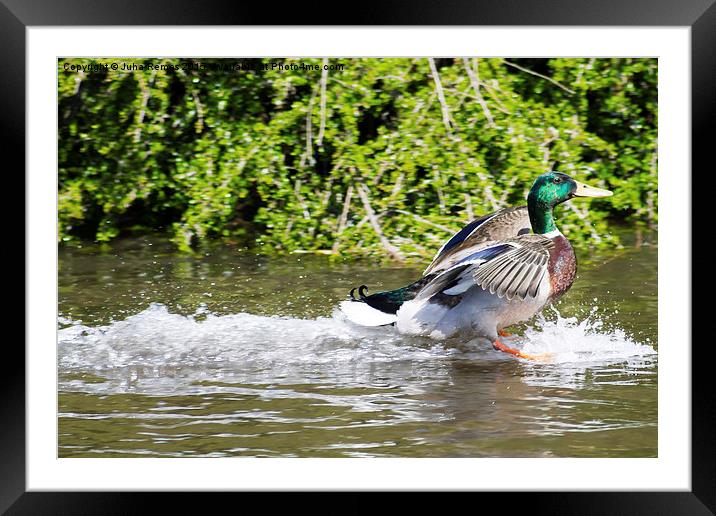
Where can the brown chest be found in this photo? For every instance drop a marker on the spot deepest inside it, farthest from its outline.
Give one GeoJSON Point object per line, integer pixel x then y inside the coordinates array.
{"type": "Point", "coordinates": [562, 266]}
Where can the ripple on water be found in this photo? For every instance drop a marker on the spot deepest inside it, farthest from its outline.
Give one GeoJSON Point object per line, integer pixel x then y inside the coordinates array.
{"type": "Point", "coordinates": [210, 385]}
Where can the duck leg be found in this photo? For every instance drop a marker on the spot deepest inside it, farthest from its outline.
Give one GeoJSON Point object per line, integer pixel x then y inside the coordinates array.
{"type": "Point", "coordinates": [503, 333]}
{"type": "Point", "coordinates": [499, 346]}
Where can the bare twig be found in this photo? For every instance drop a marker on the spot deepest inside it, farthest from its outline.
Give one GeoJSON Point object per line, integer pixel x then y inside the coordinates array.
{"type": "Point", "coordinates": [362, 221]}
{"type": "Point", "coordinates": [472, 75]}
{"type": "Point", "coordinates": [309, 133]}
{"type": "Point", "coordinates": [506, 191]}
{"type": "Point", "coordinates": [553, 134]}
{"type": "Point", "coordinates": [438, 188]}
{"type": "Point", "coordinates": [470, 96]}
{"type": "Point", "coordinates": [390, 248]}
{"type": "Point", "coordinates": [379, 175]}
{"type": "Point", "coordinates": [324, 80]}
{"type": "Point", "coordinates": [487, 192]}
{"type": "Point", "coordinates": [327, 198]}
{"type": "Point", "coordinates": [418, 106]}
{"type": "Point", "coordinates": [301, 201]}
{"type": "Point", "coordinates": [312, 251]}
{"type": "Point", "coordinates": [199, 111]}
{"type": "Point", "coordinates": [232, 173]}
{"type": "Point", "coordinates": [78, 81]}
{"type": "Point", "coordinates": [499, 105]}
{"type": "Point", "coordinates": [468, 204]}
{"type": "Point", "coordinates": [143, 106]}
{"type": "Point", "coordinates": [289, 226]}
{"type": "Point", "coordinates": [197, 102]}
{"type": "Point", "coordinates": [398, 185]}
{"type": "Point", "coordinates": [426, 221]}
{"type": "Point", "coordinates": [365, 219]}
{"type": "Point", "coordinates": [650, 210]}
{"type": "Point", "coordinates": [343, 219]}
{"type": "Point", "coordinates": [327, 193]}
{"type": "Point", "coordinates": [582, 68]}
{"type": "Point", "coordinates": [351, 86]}
{"type": "Point", "coordinates": [426, 107]}
{"type": "Point", "coordinates": [441, 96]}
{"type": "Point", "coordinates": [419, 249]}
{"type": "Point", "coordinates": [508, 63]}
{"type": "Point", "coordinates": [463, 181]}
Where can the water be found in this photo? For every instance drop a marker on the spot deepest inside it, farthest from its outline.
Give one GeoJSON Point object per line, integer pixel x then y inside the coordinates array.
{"type": "Point", "coordinates": [232, 354]}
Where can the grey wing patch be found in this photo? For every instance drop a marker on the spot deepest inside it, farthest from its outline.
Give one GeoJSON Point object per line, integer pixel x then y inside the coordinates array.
{"type": "Point", "coordinates": [507, 223]}
{"type": "Point", "coordinates": [502, 225]}
{"type": "Point", "coordinates": [519, 272]}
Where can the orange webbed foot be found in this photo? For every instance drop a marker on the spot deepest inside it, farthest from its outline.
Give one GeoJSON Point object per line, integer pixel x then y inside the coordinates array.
{"type": "Point", "coordinates": [543, 357]}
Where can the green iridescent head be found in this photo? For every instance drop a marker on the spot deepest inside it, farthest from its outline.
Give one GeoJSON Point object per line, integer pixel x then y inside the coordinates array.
{"type": "Point", "coordinates": [551, 189]}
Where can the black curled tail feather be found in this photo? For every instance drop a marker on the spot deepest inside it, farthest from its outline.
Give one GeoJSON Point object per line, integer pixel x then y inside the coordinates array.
{"type": "Point", "coordinates": [361, 293]}
{"type": "Point", "coordinates": [390, 301]}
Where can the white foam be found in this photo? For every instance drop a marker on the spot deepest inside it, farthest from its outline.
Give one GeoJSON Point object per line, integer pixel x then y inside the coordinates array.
{"type": "Point", "coordinates": [244, 347]}
{"type": "Point", "coordinates": [158, 350]}
{"type": "Point", "coordinates": [578, 353]}
{"type": "Point", "coordinates": [569, 340]}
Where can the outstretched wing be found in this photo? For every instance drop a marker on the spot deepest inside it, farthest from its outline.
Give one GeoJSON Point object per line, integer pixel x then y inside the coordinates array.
{"type": "Point", "coordinates": [518, 272]}
{"type": "Point", "coordinates": [515, 267]}
{"type": "Point", "coordinates": [458, 278]}
{"type": "Point", "coordinates": [501, 225]}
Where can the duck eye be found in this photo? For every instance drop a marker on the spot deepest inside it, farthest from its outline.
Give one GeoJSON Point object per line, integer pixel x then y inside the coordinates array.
{"type": "Point", "coordinates": [557, 180]}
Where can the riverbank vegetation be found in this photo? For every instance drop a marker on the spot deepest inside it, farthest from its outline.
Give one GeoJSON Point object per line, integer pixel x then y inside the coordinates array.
{"type": "Point", "coordinates": [350, 157]}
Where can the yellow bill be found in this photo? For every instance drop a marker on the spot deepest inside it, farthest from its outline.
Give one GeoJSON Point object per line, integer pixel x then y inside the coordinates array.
{"type": "Point", "coordinates": [590, 191]}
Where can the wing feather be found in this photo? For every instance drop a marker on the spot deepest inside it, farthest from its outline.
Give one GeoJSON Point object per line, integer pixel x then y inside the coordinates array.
{"type": "Point", "coordinates": [456, 274]}
{"type": "Point", "coordinates": [493, 228]}
{"type": "Point", "coordinates": [502, 280]}
{"type": "Point", "coordinates": [525, 281]}
{"type": "Point", "coordinates": [518, 272]}
{"type": "Point", "coordinates": [536, 281]}
{"type": "Point", "coordinates": [519, 276]}
{"type": "Point", "coordinates": [511, 268]}
{"type": "Point", "coordinates": [487, 275]}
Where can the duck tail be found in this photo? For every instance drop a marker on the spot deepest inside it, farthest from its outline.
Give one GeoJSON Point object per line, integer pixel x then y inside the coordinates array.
{"type": "Point", "coordinates": [379, 309]}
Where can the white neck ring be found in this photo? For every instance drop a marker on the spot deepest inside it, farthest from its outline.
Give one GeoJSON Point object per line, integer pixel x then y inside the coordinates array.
{"type": "Point", "coordinates": [553, 234]}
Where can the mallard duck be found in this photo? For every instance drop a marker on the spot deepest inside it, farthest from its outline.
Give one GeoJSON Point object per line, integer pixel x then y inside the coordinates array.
{"type": "Point", "coordinates": [499, 270]}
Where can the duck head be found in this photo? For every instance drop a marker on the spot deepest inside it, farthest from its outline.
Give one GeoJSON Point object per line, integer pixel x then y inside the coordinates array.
{"type": "Point", "coordinates": [551, 189]}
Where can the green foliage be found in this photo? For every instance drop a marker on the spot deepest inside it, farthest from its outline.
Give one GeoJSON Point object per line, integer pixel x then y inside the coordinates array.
{"type": "Point", "coordinates": [371, 157]}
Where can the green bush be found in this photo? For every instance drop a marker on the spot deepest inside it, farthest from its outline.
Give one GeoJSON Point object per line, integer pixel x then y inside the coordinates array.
{"type": "Point", "coordinates": [370, 157]}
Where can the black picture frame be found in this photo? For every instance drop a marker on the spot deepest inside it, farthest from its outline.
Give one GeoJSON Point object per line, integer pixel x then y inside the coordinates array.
{"type": "Point", "coordinates": [700, 15]}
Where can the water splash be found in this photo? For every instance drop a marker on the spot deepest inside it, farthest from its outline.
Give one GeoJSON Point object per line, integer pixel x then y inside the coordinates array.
{"type": "Point", "coordinates": [156, 349]}
{"type": "Point", "coordinates": [577, 352]}
{"type": "Point", "coordinates": [569, 340]}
